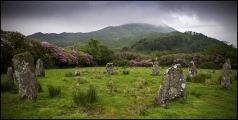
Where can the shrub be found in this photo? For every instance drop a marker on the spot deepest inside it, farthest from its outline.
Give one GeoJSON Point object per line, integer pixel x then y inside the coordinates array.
{"type": "Point", "coordinates": [121, 63]}
{"type": "Point", "coordinates": [14, 90]}
{"type": "Point", "coordinates": [127, 90]}
{"type": "Point", "coordinates": [110, 83]}
{"type": "Point", "coordinates": [149, 89]}
{"type": "Point", "coordinates": [207, 82]}
{"type": "Point", "coordinates": [79, 98]}
{"type": "Point", "coordinates": [98, 76]}
{"type": "Point", "coordinates": [81, 80]}
{"type": "Point", "coordinates": [200, 78]}
{"type": "Point", "coordinates": [188, 79]}
{"type": "Point", "coordinates": [91, 94]}
{"type": "Point", "coordinates": [183, 62]}
{"type": "Point", "coordinates": [54, 91]}
{"type": "Point", "coordinates": [141, 82]}
{"type": "Point", "coordinates": [208, 65]}
{"type": "Point", "coordinates": [145, 63]}
{"type": "Point", "coordinates": [40, 87]}
{"type": "Point", "coordinates": [69, 74]}
{"type": "Point", "coordinates": [143, 111]}
{"type": "Point", "coordinates": [112, 87]}
{"type": "Point", "coordinates": [83, 99]}
{"type": "Point", "coordinates": [196, 93]}
{"type": "Point", "coordinates": [125, 72]}
{"type": "Point", "coordinates": [4, 86]}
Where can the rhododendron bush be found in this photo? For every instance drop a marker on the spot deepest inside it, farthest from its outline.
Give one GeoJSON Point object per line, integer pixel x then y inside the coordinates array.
{"type": "Point", "coordinates": [66, 57]}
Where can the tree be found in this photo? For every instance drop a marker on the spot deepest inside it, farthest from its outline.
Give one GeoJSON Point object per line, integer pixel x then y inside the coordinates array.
{"type": "Point", "coordinates": [101, 54]}
{"type": "Point", "coordinates": [92, 47]}
{"type": "Point", "coordinates": [224, 50]}
{"type": "Point", "coordinates": [106, 55]}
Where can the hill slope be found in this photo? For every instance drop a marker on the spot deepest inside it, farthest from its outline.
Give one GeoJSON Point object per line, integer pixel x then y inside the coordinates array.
{"type": "Point", "coordinates": [112, 36]}
{"type": "Point", "coordinates": [187, 42]}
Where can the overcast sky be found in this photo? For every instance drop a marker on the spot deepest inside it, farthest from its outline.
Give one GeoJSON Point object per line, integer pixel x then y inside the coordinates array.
{"type": "Point", "coordinates": [216, 19]}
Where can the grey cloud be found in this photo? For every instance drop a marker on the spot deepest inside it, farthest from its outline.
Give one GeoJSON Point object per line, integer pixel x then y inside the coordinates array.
{"type": "Point", "coordinates": [85, 16]}
{"type": "Point", "coordinates": [16, 9]}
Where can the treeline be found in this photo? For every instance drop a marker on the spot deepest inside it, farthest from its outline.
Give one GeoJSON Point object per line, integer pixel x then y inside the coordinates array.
{"type": "Point", "coordinates": [92, 53]}
{"type": "Point", "coordinates": [187, 42]}
{"type": "Point", "coordinates": [89, 54]}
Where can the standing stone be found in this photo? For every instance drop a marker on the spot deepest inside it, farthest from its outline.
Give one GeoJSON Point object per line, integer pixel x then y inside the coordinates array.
{"type": "Point", "coordinates": [192, 70]}
{"type": "Point", "coordinates": [40, 68]}
{"type": "Point", "coordinates": [109, 68]}
{"type": "Point", "coordinates": [225, 80]}
{"type": "Point", "coordinates": [155, 68]}
{"type": "Point", "coordinates": [173, 85]}
{"type": "Point", "coordinates": [24, 67]}
{"type": "Point", "coordinates": [10, 79]}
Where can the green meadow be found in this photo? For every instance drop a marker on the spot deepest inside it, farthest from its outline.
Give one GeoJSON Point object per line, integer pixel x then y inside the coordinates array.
{"type": "Point", "coordinates": [128, 93]}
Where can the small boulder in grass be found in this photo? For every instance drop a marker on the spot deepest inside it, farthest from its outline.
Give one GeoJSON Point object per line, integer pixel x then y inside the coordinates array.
{"type": "Point", "coordinates": [77, 73]}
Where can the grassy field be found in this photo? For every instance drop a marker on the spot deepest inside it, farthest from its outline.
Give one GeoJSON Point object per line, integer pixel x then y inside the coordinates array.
{"type": "Point", "coordinates": [122, 96]}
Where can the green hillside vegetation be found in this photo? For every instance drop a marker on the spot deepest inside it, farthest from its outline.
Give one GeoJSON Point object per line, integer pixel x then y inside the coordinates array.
{"type": "Point", "coordinates": [112, 36]}
{"type": "Point", "coordinates": [176, 42]}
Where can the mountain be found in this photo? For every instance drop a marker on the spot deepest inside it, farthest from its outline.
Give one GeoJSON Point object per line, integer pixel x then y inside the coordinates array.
{"type": "Point", "coordinates": [111, 36]}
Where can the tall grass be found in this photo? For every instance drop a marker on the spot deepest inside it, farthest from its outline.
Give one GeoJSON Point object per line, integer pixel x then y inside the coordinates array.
{"type": "Point", "coordinates": [200, 78]}
{"type": "Point", "coordinates": [69, 74]}
{"type": "Point", "coordinates": [125, 72]}
{"type": "Point", "coordinates": [83, 99]}
{"type": "Point", "coordinates": [5, 86]}
{"type": "Point", "coordinates": [92, 94]}
{"type": "Point", "coordinates": [40, 87]}
{"type": "Point", "coordinates": [54, 91]}
{"type": "Point", "coordinates": [79, 98]}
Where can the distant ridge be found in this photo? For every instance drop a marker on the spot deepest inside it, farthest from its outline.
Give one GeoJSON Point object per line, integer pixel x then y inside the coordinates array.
{"type": "Point", "coordinates": [111, 36]}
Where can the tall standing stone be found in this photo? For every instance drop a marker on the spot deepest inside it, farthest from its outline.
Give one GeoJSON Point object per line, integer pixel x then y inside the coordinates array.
{"type": "Point", "coordinates": [192, 70]}
{"type": "Point", "coordinates": [10, 79]}
{"type": "Point", "coordinates": [173, 85]}
{"type": "Point", "coordinates": [225, 80]}
{"type": "Point", "coordinates": [40, 68]}
{"type": "Point", "coordinates": [24, 67]}
{"type": "Point", "coordinates": [155, 68]}
{"type": "Point", "coordinates": [109, 68]}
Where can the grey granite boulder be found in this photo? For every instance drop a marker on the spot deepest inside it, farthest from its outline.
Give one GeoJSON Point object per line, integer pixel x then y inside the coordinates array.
{"type": "Point", "coordinates": [173, 85]}
{"type": "Point", "coordinates": [24, 67]}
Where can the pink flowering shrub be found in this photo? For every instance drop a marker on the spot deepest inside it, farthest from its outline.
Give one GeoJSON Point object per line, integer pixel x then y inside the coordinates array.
{"type": "Point", "coordinates": [6, 43]}
{"type": "Point", "coordinates": [85, 58]}
{"type": "Point", "coordinates": [141, 63]}
{"type": "Point", "coordinates": [195, 58]}
{"type": "Point", "coordinates": [133, 59]}
{"type": "Point", "coordinates": [66, 57]}
{"type": "Point", "coordinates": [217, 59]}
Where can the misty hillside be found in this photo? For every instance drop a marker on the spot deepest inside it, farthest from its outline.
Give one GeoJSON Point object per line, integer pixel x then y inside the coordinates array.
{"type": "Point", "coordinates": [112, 36]}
